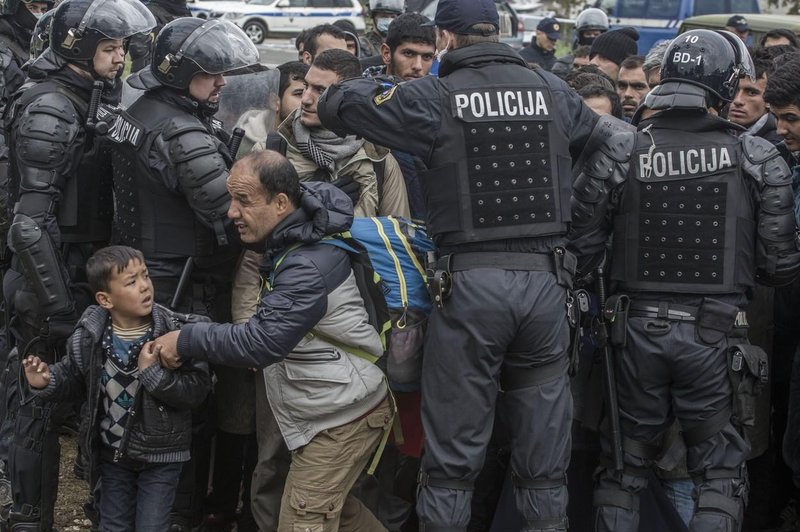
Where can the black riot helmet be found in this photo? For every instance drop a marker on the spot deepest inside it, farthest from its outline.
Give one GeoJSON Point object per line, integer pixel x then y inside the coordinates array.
{"type": "Point", "coordinates": [713, 60]}
{"type": "Point", "coordinates": [187, 46]}
{"type": "Point", "coordinates": [40, 40]}
{"type": "Point", "coordinates": [11, 7]}
{"type": "Point", "coordinates": [79, 25]}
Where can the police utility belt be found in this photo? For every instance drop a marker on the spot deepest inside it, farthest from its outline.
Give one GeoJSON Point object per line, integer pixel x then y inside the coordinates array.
{"type": "Point", "coordinates": [439, 270]}
{"type": "Point", "coordinates": [674, 312]}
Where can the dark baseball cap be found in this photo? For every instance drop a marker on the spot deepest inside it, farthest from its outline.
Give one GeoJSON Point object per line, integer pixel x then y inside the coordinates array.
{"type": "Point", "coordinates": [458, 16]}
{"type": "Point", "coordinates": [738, 22]}
{"type": "Point", "coordinates": [551, 27]}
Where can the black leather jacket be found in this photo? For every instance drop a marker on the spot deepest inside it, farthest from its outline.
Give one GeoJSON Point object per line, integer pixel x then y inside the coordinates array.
{"type": "Point", "coordinates": [161, 419]}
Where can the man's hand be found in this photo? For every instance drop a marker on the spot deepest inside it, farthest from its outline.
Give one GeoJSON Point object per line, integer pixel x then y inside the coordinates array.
{"type": "Point", "coordinates": [37, 372]}
{"type": "Point", "coordinates": [148, 356]}
{"type": "Point", "coordinates": [167, 348]}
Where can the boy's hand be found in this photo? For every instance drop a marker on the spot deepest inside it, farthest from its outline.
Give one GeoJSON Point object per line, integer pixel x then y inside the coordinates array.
{"type": "Point", "coordinates": [147, 356]}
{"type": "Point", "coordinates": [37, 372]}
{"type": "Point", "coordinates": [166, 347]}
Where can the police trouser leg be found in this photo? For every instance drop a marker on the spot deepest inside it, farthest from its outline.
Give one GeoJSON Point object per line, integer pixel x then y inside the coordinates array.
{"type": "Point", "coordinates": [473, 335]}
{"type": "Point", "coordinates": [643, 371]}
{"type": "Point", "coordinates": [34, 463]}
{"type": "Point", "coordinates": [542, 416]}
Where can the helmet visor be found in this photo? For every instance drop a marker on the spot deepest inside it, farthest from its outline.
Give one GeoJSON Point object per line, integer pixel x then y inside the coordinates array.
{"type": "Point", "coordinates": [744, 63]}
{"type": "Point", "coordinates": [117, 19]}
{"type": "Point", "coordinates": [219, 47]}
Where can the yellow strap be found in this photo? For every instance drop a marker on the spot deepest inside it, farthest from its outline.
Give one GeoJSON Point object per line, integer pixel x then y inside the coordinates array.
{"type": "Point", "coordinates": [386, 430]}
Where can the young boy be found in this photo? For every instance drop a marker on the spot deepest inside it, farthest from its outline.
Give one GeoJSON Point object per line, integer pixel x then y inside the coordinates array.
{"type": "Point", "coordinates": [138, 430]}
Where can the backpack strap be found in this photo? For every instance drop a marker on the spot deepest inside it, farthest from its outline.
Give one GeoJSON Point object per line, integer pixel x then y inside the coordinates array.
{"type": "Point", "coordinates": [380, 177]}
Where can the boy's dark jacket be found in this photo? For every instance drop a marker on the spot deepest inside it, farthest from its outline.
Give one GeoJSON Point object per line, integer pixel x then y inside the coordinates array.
{"type": "Point", "coordinates": [161, 421]}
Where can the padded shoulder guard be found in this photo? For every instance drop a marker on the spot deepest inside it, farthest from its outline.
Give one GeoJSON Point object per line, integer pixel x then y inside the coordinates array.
{"type": "Point", "coordinates": [606, 168]}
{"type": "Point", "coordinates": [181, 124]}
{"type": "Point", "coordinates": [46, 130]}
{"type": "Point", "coordinates": [763, 162]}
{"type": "Point", "coordinates": [201, 168]}
{"type": "Point", "coordinates": [604, 171]}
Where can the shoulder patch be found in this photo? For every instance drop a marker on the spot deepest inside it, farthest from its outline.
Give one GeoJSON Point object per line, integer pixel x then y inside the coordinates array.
{"type": "Point", "coordinates": [385, 96]}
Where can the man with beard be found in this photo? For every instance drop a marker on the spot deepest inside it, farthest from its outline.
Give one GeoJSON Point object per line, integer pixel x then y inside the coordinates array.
{"type": "Point", "coordinates": [632, 84]}
{"type": "Point", "coordinates": [60, 183]}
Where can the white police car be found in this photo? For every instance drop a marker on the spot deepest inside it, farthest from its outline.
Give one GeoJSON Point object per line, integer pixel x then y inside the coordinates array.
{"type": "Point", "coordinates": [258, 18]}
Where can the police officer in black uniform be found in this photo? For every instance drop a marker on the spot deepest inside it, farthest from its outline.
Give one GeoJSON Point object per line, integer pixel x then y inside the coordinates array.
{"type": "Point", "coordinates": [171, 162]}
{"type": "Point", "coordinates": [17, 20]}
{"type": "Point", "coordinates": [165, 11]}
{"type": "Point", "coordinates": [60, 185]}
{"type": "Point", "coordinates": [697, 216]}
{"type": "Point", "coordinates": [499, 140]}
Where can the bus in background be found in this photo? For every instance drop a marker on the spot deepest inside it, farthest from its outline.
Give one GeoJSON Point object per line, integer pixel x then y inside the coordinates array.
{"type": "Point", "coordinates": [660, 19]}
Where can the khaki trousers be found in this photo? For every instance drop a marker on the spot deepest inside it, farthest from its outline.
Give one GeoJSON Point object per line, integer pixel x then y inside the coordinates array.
{"type": "Point", "coordinates": [317, 493]}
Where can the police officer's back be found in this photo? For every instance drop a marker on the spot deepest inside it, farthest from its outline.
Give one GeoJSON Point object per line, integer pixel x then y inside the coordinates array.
{"type": "Point", "coordinates": [697, 215]}
{"type": "Point", "coordinates": [498, 140]}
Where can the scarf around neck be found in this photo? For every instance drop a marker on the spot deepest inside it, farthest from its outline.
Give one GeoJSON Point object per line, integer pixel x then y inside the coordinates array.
{"type": "Point", "coordinates": [323, 146]}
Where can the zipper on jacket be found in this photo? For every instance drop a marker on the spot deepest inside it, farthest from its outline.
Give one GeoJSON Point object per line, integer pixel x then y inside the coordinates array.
{"type": "Point", "coordinates": [333, 356]}
{"type": "Point", "coordinates": [123, 444]}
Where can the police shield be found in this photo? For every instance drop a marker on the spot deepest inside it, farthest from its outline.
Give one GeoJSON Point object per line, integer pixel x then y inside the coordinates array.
{"type": "Point", "coordinates": [250, 101]}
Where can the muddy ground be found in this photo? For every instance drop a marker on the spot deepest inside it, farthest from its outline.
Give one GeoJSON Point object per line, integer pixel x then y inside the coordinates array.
{"type": "Point", "coordinates": [72, 492]}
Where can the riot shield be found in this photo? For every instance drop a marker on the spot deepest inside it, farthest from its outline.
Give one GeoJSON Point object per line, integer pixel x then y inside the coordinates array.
{"type": "Point", "coordinates": [250, 102]}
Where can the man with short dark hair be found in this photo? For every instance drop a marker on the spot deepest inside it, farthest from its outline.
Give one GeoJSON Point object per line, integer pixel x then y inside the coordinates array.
{"type": "Point", "coordinates": [320, 155]}
{"type": "Point", "coordinates": [632, 84]}
{"type": "Point", "coordinates": [779, 37]}
{"type": "Point", "coordinates": [407, 54]}
{"type": "Point", "coordinates": [543, 44]}
{"type": "Point", "coordinates": [601, 100]}
{"type": "Point", "coordinates": [321, 38]}
{"type": "Point", "coordinates": [748, 108]}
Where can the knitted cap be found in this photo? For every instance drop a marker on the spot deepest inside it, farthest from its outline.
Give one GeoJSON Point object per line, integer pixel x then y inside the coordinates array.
{"type": "Point", "coordinates": [616, 45]}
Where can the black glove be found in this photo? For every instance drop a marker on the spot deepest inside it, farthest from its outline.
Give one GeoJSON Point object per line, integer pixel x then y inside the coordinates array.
{"type": "Point", "coordinates": [348, 185]}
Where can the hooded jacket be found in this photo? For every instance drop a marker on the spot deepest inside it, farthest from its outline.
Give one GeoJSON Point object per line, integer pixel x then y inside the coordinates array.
{"type": "Point", "coordinates": [393, 198]}
{"type": "Point", "coordinates": [310, 295]}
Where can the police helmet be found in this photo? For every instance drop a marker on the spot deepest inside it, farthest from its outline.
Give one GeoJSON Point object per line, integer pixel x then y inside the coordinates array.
{"type": "Point", "coordinates": [79, 25]}
{"type": "Point", "coordinates": [592, 19]}
{"type": "Point", "coordinates": [187, 46]}
{"type": "Point", "coordinates": [387, 6]}
{"type": "Point", "coordinates": [10, 7]}
{"type": "Point", "coordinates": [713, 60]}
{"type": "Point", "coordinates": [40, 39]}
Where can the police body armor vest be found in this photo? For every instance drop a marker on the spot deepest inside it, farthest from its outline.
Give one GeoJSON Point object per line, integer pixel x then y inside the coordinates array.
{"type": "Point", "coordinates": [151, 217]}
{"type": "Point", "coordinates": [687, 218]}
{"type": "Point", "coordinates": [86, 207]}
{"type": "Point", "coordinates": [502, 169]}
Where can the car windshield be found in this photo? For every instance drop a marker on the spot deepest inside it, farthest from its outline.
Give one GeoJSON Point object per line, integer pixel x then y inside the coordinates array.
{"type": "Point", "coordinates": [648, 8]}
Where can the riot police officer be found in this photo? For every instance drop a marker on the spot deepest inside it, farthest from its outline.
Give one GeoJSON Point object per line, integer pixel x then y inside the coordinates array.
{"type": "Point", "coordinates": [589, 23]}
{"type": "Point", "coordinates": [164, 11]}
{"type": "Point", "coordinates": [498, 139]}
{"type": "Point", "coordinates": [17, 21]}
{"type": "Point", "coordinates": [382, 13]}
{"type": "Point", "coordinates": [171, 161]}
{"type": "Point", "coordinates": [697, 216]}
{"type": "Point", "coordinates": [60, 184]}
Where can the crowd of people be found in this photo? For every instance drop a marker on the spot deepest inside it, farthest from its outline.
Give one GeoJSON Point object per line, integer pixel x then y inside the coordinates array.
{"type": "Point", "coordinates": [612, 340]}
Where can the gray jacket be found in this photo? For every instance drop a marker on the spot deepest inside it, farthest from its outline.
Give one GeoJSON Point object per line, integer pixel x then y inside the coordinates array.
{"type": "Point", "coordinates": [312, 384]}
